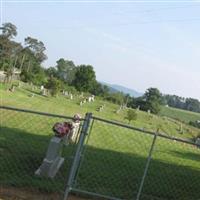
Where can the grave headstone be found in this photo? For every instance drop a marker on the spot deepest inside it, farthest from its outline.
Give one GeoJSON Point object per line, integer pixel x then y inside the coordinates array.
{"type": "Point", "coordinates": [75, 131]}
{"type": "Point", "coordinates": [12, 88]}
{"type": "Point", "coordinates": [44, 92]}
{"type": "Point", "coordinates": [53, 160]}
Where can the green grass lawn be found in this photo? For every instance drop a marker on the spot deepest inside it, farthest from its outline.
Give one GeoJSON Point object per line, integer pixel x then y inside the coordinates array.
{"type": "Point", "coordinates": [114, 157]}
{"type": "Point", "coordinates": [181, 115]}
{"type": "Point", "coordinates": [64, 106]}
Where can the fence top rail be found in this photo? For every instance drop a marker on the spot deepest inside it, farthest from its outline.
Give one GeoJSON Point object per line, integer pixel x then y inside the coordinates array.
{"type": "Point", "coordinates": [187, 141]}
{"type": "Point", "coordinates": [35, 112]}
{"type": "Point", "coordinates": [104, 120]}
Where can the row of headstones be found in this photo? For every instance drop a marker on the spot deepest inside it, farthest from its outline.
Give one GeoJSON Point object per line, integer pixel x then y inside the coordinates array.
{"type": "Point", "coordinates": [68, 94]}
{"type": "Point", "coordinates": [122, 107]}
{"type": "Point", "coordinates": [100, 109]}
{"type": "Point", "coordinates": [87, 99]}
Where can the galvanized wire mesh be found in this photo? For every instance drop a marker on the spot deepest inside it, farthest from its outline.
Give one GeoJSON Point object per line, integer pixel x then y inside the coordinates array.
{"type": "Point", "coordinates": [24, 139]}
{"type": "Point", "coordinates": [114, 159]}
{"type": "Point", "coordinates": [112, 163]}
{"type": "Point", "coordinates": [174, 172]}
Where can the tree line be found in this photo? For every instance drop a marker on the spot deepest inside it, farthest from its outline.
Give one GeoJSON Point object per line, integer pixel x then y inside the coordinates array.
{"type": "Point", "coordinates": [175, 101]}
{"type": "Point", "coordinates": [28, 58]}
{"type": "Point", "coordinates": [65, 75]}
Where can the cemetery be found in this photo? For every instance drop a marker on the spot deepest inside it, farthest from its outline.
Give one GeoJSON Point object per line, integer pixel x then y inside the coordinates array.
{"type": "Point", "coordinates": [52, 159]}
{"type": "Point", "coordinates": [130, 132]}
{"type": "Point", "coordinates": [64, 134]}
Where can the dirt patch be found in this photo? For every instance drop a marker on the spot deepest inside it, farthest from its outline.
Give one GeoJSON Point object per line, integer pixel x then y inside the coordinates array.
{"type": "Point", "coordinates": [11, 193]}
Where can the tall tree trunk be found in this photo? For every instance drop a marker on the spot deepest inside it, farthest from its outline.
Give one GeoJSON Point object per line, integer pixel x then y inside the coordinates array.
{"type": "Point", "coordinates": [28, 66]}
{"type": "Point", "coordinates": [13, 69]}
{"type": "Point", "coordinates": [23, 58]}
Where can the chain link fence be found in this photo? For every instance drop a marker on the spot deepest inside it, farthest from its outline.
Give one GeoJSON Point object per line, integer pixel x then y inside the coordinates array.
{"type": "Point", "coordinates": [123, 162]}
{"type": "Point", "coordinates": [24, 140]}
{"type": "Point", "coordinates": [109, 161]}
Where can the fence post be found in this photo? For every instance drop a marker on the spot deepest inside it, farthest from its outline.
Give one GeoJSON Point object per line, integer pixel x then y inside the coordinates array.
{"type": "Point", "coordinates": [146, 167]}
{"type": "Point", "coordinates": [77, 156]}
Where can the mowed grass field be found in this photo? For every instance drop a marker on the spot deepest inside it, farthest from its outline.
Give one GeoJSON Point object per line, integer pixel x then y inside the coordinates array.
{"type": "Point", "coordinates": [181, 115]}
{"type": "Point", "coordinates": [114, 157]}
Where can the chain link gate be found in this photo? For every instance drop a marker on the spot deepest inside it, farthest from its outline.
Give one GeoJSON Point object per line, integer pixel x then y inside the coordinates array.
{"type": "Point", "coordinates": [116, 161]}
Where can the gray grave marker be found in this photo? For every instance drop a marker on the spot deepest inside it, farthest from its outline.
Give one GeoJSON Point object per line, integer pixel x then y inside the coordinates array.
{"type": "Point", "coordinates": [53, 160]}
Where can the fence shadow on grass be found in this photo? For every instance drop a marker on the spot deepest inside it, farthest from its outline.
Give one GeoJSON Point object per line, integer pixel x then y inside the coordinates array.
{"type": "Point", "coordinates": [101, 171]}
{"type": "Point", "coordinates": [119, 174]}
{"type": "Point", "coordinates": [21, 153]}
{"type": "Point", "coordinates": [187, 155]}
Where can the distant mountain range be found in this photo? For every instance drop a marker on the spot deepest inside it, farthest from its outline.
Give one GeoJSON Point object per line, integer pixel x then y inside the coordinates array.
{"type": "Point", "coordinates": [118, 88]}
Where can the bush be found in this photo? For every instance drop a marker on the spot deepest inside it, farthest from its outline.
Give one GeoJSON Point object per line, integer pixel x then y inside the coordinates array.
{"type": "Point", "coordinates": [195, 124]}
{"type": "Point", "coordinates": [131, 115]}
{"type": "Point", "coordinates": [54, 85]}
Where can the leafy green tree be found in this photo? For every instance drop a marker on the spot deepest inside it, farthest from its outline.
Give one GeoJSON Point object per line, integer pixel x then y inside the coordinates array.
{"type": "Point", "coordinates": [51, 72]}
{"type": "Point", "coordinates": [39, 77]}
{"type": "Point", "coordinates": [192, 105]}
{"type": "Point", "coordinates": [9, 50]}
{"type": "Point", "coordinates": [99, 89]}
{"type": "Point", "coordinates": [66, 70]}
{"type": "Point", "coordinates": [54, 86]}
{"type": "Point", "coordinates": [27, 59]}
{"type": "Point", "coordinates": [153, 100]}
{"type": "Point", "coordinates": [182, 103]}
{"type": "Point", "coordinates": [37, 48]}
{"type": "Point", "coordinates": [31, 58]}
{"type": "Point", "coordinates": [105, 89]}
{"type": "Point", "coordinates": [30, 67]}
{"type": "Point", "coordinates": [117, 98]}
{"type": "Point", "coordinates": [9, 30]}
{"type": "Point", "coordinates": [85, 78]}
{"type": "Point", "coordinates": [131, 115]}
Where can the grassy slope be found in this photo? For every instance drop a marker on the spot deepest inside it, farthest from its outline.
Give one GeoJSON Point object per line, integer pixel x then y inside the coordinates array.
{"type": "Point", "coordinates": [114, 157]}
{"type": "Point", "coordinates": [179, 114]}
{"type": "Point", "coordinates": [61, 105]}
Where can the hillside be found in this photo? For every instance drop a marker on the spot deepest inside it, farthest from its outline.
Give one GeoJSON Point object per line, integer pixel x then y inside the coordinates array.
{"type": "Point", "coordinates": [21, 98]}
{"type": "Point", "coordinates": [181, 115]}
{"type": "Point", "coordinates": [110, 150]}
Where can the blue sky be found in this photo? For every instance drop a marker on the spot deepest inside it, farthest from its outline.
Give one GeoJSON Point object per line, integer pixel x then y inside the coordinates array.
{"type": "Point", "coordinates": [138, 45]}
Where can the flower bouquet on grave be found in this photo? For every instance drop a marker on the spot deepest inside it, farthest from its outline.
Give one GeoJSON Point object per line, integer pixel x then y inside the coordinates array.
{"type": "Point", "coordinates": [63, 130]}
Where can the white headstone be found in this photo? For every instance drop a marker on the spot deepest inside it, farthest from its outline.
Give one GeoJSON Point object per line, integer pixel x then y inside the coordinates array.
{"type": "Point", "coordinates": [75, 131]}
